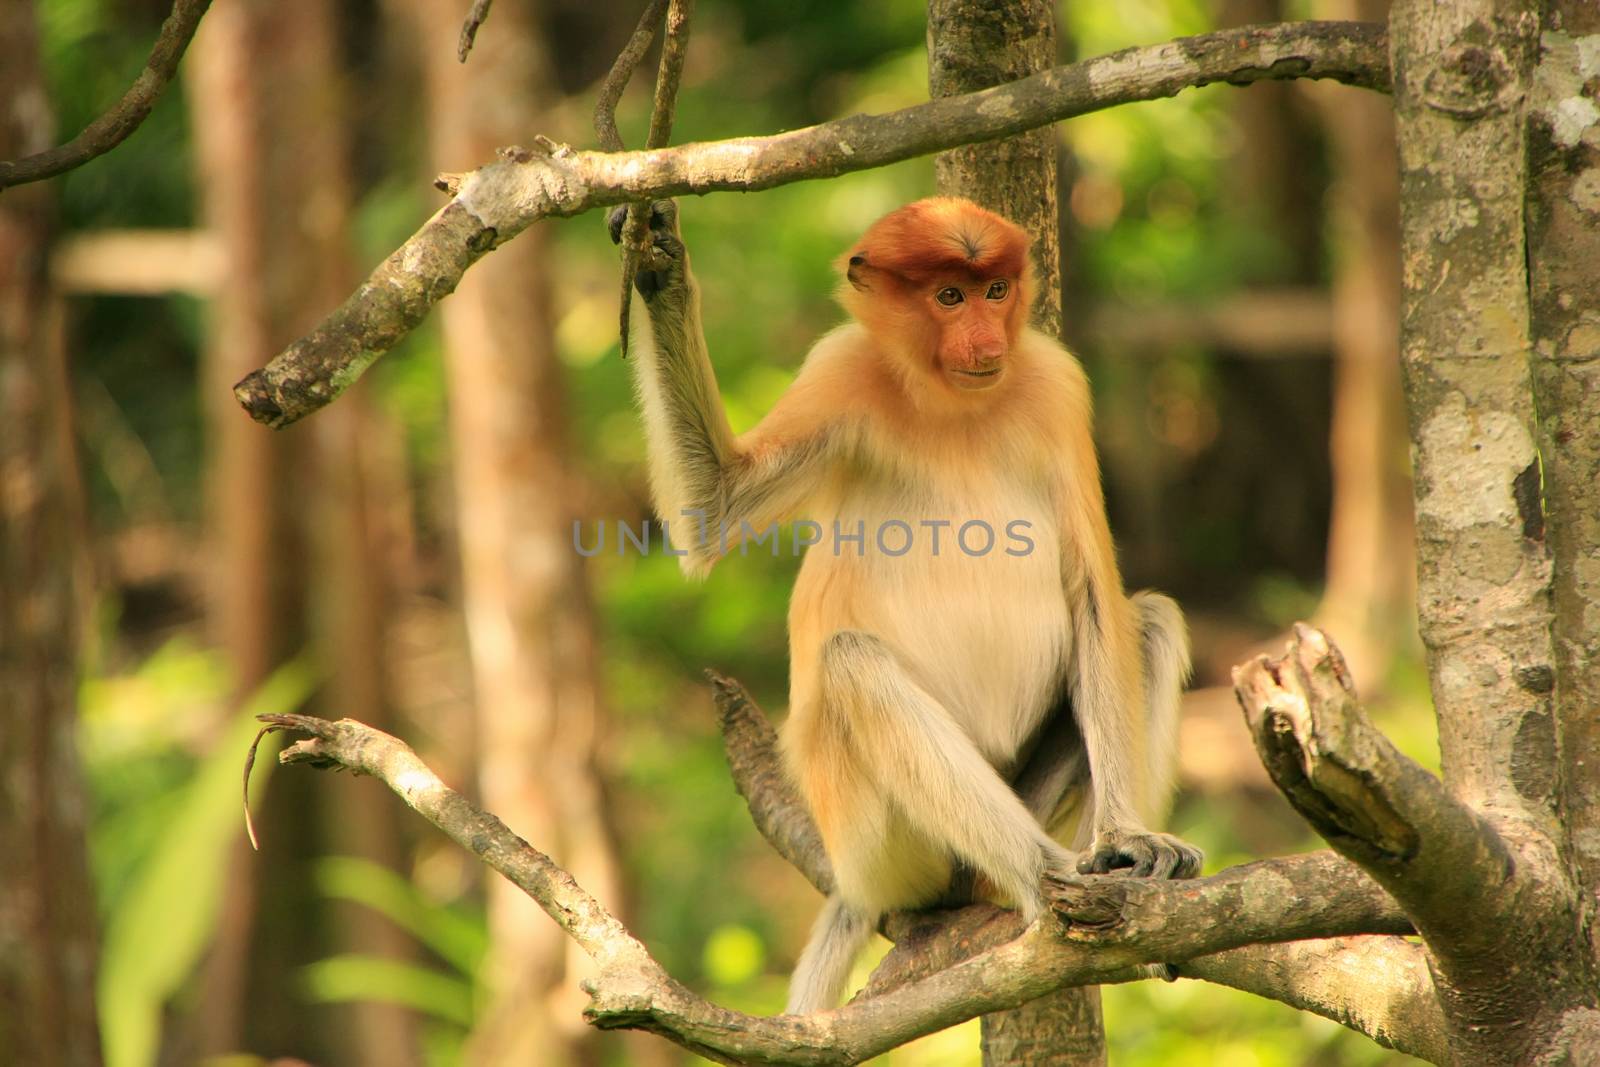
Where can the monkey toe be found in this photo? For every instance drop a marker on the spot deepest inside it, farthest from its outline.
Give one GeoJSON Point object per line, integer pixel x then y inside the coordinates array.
{"type": "Point", "coordinates": [1143, 855]}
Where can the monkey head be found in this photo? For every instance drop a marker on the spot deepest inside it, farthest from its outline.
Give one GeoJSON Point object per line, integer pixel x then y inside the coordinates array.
{"type": "Point", "coordinates": [944, 286]}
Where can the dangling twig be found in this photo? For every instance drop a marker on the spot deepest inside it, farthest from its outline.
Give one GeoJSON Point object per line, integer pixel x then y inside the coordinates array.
{"type": "Point", "coordinates": [469, 28]}
{"type": "Point", "coordinates": [636, 247]}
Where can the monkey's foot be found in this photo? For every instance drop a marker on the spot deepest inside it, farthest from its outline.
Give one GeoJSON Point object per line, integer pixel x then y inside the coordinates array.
{"type": "Point", "coordinates": [1142, 853]}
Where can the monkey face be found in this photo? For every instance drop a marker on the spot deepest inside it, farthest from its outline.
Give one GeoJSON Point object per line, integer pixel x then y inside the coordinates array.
{"type": "Point", "coordinates": [973, 317]}
{"type": "Point", "coordinates": [943, 284]}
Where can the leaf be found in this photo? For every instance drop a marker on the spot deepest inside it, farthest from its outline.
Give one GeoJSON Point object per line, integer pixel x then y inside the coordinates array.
{"type": "Point", "coordinates": [159, 927]}
{"type": "Point", "coordinates": [458, 939]}
{"type": "Point", "coordinates": [355, 977]}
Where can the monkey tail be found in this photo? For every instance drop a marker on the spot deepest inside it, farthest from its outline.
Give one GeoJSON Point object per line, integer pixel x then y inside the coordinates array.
{"type": "Point", "coordinates": [838, 936]}
{"type": "Point", "coordinates": [1165, 641]}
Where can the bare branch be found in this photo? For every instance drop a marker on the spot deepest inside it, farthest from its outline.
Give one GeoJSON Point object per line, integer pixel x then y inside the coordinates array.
{"type": "Point", "coordinates": [469, 28]}
{"type": "Point", "coordinates": [114, 126]}
{"type": "Point", "coordinates": [1444, 863]}
{"type": "Point", "coordinates": [637, 249]}
{"type": "Point", "coordinates": [616, 80]}
{"type": "Point", "coordinates": [1375, 985]}
{"type": "Point", "coordinates": [751, 745]}
{"type": "Point", "coordinates": [362, 748]}
{"type": "Point", "coordinates": [501, 199]}
{"type": "Point", "coordinates": [1111, 924]}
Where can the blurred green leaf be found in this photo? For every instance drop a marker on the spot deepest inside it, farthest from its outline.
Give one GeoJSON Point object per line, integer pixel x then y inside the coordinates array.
{"type": "Point", "coordinates": [459, 940]}
{"type": "Point", "coordinates": [158, 928]}
{"type": "Point", "coordinates": [341, 979]}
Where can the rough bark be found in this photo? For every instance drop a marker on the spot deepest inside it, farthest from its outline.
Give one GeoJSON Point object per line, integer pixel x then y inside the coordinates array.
{"type": "Point", "coordinates": [496, 202]}
{"type": "Point", "coordinates": [540, 713]}
{"type": "Point", "coordinates": [1378, 985]}
{"type": "Point", "coordinates": [1563, 212]}
{"type": "Point", "coordinates": [973, 45]}
{"type": "Point", "coordinates": [47, 909]}
{"type": "Point", "coordinates": [1464, 73]}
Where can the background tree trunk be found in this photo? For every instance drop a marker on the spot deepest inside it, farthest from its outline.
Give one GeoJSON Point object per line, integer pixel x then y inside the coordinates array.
{"type": "Point", "coordinates": [1371, 570]}
{"type": "Point", "coordinates": [272, 144]}
{"type": "Point", "coordinates": [47, 907]}
{"type": "Point", "coordinates": [529, 620]}
{"type": "Point", "coordinates": [973, 45]}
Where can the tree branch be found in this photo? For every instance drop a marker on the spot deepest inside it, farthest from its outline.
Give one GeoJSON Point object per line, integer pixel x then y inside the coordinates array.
{"type": "Point", "coordinates": [751, 745]}
{"type": "Point", "coordinates": [1107, 925]}
{"type": "Point", "coordinates": [1379, 986]}
{"type": "Point", "coordinates": [621, 72]}
{"type": "Point", "coordinates": [114, 126]}
{"type": "Point", "coordinates": [636, 245]}
{"type": "Point", "coordinates": [1444, 863]}
{"type": "Point", "coordinates": [469, 28]}
{"type": "Point", "coordinates": [501, 199]}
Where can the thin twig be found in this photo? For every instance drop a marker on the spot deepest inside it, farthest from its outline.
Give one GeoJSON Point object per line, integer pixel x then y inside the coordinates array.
{"type": "Point", "coordinates": [616, 80]}
{"type": "Point", "coordinates": [249, 763]}
{"type": "Point", "coordinates": [469, 28]}
{"type": "Point", "coordinates": [637, 249]}
{"type": "Point", "coordinates": [114, 126]}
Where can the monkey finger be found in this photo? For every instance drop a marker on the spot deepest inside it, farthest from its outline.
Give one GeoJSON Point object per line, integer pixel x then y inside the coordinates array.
{"type": "Point", "coordinates": [614, 220]}
{"type": "Point", "coordinates": [1190, 860]}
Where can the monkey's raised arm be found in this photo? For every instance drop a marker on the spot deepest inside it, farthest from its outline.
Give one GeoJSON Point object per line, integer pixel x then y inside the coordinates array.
{"type": "Point", "coordinates": [711, 488]}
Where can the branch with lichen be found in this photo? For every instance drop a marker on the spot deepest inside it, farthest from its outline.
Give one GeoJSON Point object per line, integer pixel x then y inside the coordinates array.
{"type": "Point", "coordinates": [496, 202]}
{"type": "Point", "coordinates": [1100, 929]}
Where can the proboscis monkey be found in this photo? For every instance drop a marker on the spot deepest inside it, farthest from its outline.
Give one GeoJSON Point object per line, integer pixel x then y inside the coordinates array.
{"type": "Point", "coordinates": [952, 694]}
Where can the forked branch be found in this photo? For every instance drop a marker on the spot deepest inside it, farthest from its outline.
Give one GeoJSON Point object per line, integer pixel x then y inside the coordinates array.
{"type": "Point", "coordinates": [1106, 927]}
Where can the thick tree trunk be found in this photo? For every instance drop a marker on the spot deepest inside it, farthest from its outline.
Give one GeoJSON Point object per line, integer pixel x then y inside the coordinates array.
{"type": "Point", "coordinates": [47, 912]}
{"type": "Point", "coordinates": [1513, 976]}
{"type": "Point", "coordinates": [529, 622]}
{"type": "Point", "coordinates": [1563, 210]}
{"type": "Point", "coordinates": [973, 45]}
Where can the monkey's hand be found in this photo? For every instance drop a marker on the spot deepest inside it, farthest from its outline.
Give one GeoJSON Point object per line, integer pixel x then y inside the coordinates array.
{"type": "Point", "coordinates": [663, 259]}
{"type": "Point", "coordinates": [1143, 853]}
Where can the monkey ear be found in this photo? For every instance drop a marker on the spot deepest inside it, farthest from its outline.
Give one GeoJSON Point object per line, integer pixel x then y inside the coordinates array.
{"type": "Point", "coordinates": [856, 272]}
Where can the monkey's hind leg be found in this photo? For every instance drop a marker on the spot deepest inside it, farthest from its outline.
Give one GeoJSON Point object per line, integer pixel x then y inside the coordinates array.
{"type": "Point", "coordinates": [837, 937]}
{"type": "Point", "coordinates": [940, 784]}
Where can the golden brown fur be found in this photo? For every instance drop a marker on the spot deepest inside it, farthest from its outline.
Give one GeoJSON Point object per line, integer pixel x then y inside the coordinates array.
{"type": "Point", "coordinates": [921, 676]}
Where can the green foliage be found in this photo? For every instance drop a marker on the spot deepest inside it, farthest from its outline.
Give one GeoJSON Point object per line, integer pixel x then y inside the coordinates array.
{"type": "Point", "coordinates": [159, 923]}
{"type": "Point", "coordinates": [458, 937]}
{"type": "Point", "coordinates": [347, 978]}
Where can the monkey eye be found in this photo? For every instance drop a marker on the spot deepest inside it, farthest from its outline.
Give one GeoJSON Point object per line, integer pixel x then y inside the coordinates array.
{"type": "Point", "coordinates": [998, 290]}
{"type": "Point", "coordinates": [949, 296]}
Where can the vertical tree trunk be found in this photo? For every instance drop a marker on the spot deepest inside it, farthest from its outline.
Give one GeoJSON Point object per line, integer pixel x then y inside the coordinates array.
{"type": "Point", "coordinates": [1516, 988]}
{"type": "Point", "coordinates": [529, 622]}
{"type": "Point", "coordinates": [47, 912]}
{"type": "Point", "coordinates": [272, 144]}
{"type": "Point", "coordinates": [1371, 578]}
{"type": "Point", "coordinates": [1563, 211]}
{"type": "Point", "coordinates": [973, 45]}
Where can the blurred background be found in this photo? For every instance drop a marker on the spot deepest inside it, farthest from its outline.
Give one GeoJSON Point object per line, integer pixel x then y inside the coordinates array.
{"type": "Point", "coordinates": [406, 557]}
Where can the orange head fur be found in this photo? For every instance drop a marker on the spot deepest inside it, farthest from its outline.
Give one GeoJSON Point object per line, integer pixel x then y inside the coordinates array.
{"type": "Point", "coordinates": [944, 286]}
